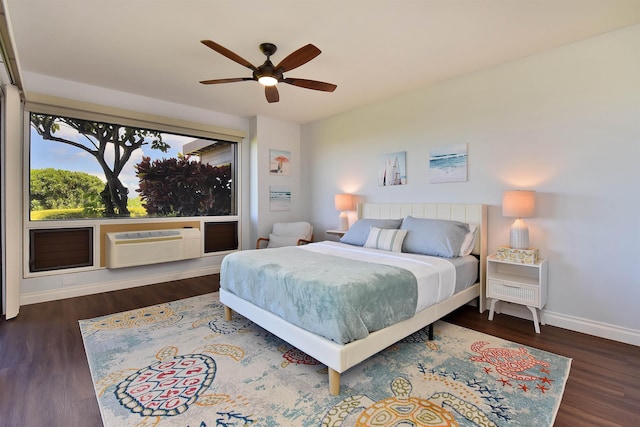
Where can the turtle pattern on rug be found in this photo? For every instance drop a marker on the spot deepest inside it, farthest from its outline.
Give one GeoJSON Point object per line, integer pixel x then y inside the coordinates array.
{"type": "Point", "coordinates": [182, 363]}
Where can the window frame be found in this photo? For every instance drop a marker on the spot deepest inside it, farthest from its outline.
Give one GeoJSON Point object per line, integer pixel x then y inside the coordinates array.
{"type": "Point", "coordinates": [43, 104]}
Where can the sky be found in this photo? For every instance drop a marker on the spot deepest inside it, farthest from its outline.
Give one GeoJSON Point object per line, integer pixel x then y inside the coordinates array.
{"type": "Point", "coordinates": [58, 155]}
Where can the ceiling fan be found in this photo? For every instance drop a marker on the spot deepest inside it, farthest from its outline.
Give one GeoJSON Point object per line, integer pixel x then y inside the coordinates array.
{"type": "Point", "coordinates": [270, 75]}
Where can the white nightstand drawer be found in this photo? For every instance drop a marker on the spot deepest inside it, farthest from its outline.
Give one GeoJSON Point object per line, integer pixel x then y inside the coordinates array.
{"type": "Point", "coordinates": [513, 292]}
{"type": "Point", "coordinates": [517, 283]}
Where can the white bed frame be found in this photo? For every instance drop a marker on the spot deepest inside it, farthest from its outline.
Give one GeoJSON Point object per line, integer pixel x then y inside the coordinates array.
{"type": "Point", "coordinates": [337, 357]}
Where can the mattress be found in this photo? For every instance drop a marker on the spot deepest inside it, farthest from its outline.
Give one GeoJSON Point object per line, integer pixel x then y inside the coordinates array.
{"type": "Point", "coordinates": [456, 274]}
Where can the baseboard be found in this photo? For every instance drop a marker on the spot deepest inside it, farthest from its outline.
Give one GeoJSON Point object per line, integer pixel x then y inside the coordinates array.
{"type": "Point", "coordinates": [577, 324]}
{"type": "Point", "coordinates": [97, 288]}
{"type": "Point", "coordinates": [591, 327]}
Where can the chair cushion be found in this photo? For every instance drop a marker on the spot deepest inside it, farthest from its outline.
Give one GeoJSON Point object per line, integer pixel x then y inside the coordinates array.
{"type": "Point", "coordinates": [301, 230]}
{"type": "Point", "coordinates": [276, 241]}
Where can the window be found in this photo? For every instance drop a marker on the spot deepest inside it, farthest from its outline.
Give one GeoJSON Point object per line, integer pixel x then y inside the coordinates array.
{"type": "Point", "coordinates": [83, 169]}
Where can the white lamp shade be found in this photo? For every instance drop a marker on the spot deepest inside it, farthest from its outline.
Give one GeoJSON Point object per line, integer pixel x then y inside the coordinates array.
{"type": "Point", "coordinates": [518, 203]}
{"type": "Point", "coordinates": [344, 202]}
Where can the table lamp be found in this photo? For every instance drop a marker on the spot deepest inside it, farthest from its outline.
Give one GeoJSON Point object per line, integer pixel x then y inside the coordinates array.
{"type": "Point", "coordinates": [519, 204]}
{"type": "Point", "coordinates": [344, 203]}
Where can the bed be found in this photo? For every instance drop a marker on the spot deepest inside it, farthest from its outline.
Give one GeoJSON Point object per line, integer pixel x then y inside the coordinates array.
{"type": "Point", "coordinates": [338, 353]}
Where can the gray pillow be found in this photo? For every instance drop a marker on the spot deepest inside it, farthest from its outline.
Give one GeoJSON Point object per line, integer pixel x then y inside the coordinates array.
{"type": "Point", "coordinates": [435, 237]}
{"type": "Point", "coordinates": [359, 231]}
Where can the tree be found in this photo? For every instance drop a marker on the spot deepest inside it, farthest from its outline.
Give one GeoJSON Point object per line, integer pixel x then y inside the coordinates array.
{"type": "Point", "coordinates": [60, 189]}
{"type": "Point", "coordinates": [95, 137]}
{"type": "Point", "coordinates": [183, 187]}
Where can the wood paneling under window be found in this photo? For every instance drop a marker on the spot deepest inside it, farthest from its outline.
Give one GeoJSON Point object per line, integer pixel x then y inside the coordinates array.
{"type": "Point", "coordinates": [220, 236]}
{"type": "Point", "coordinates": [55, 249]}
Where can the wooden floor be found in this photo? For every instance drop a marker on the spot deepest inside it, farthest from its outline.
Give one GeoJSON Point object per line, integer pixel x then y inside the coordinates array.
{"type": "Point", "coordinates": [45, 379]}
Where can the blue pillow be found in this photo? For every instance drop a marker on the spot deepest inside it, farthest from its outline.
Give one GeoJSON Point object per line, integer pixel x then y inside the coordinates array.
{"type": "Point", "coordinates": [359, 231]}
{"type": "Point", "coordinates": [435, 237]}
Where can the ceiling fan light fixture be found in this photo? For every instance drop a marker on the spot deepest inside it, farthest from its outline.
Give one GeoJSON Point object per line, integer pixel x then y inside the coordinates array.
{"type": "Point", "coordinates": [270, 75]}
{"type": "Point", "coordinates": [268, 81]}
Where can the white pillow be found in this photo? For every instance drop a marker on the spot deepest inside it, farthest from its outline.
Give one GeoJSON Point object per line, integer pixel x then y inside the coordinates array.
{"type": "Point", "coordinates": [276, 241]}
{"type": "Point", "coordinates": [385, 239]}
{"type": "Point", "coordinates": [469, 241]}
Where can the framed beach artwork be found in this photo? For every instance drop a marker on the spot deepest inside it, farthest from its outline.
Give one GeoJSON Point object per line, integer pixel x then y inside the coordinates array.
{"type": "Point", "coordinates": [279, 198]}
{"type": "Point", "coordinates": [392, 169]}
{"type": "Point", "coordinates": [279, 162]}
{"type": "Point", "coordinates": [448, 164]}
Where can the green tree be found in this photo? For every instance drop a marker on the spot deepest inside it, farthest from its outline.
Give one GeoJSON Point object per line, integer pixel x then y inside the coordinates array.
{"type": "Point", "coordinates": [95, 138]}
{"type": "Point", "coordinates": [61, 189]}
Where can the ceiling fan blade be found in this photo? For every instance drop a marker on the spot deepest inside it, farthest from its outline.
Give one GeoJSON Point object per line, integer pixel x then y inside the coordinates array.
{"type": "Point", "coordinates": [299, 57]}
{"type": "Point", "coordinates": [235, 79]}
{"type": "Point", "coordinates": [226, 52]}
{"type": "Point", "coordinates": [311, 84]}
{"type": "Point", "coordinates": [272, 94]}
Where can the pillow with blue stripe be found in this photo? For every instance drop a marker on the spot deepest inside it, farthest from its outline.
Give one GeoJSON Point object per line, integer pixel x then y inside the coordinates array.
{"type": "Point", "coordinates": [385, 239]}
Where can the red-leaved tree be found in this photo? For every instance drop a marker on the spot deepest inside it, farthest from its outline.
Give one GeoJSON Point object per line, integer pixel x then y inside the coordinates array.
{"type": "Point", "coordinates": [183, 187]}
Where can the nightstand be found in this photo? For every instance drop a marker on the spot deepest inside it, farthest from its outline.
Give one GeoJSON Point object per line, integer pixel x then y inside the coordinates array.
{"type": "Point", "coordinates": [338, 233]}
{"type": "Point", "coordinates": [524, 284]}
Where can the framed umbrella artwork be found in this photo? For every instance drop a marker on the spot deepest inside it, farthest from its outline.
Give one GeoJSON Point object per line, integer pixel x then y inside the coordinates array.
{"type": "Point", "coordinates": [279, 162]}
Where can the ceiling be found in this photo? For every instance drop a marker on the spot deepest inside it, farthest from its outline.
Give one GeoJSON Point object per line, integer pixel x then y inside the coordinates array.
{"type": "Point", "coordinates": [371, 50]}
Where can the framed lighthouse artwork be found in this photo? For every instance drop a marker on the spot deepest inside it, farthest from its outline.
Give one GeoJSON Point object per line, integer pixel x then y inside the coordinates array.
{"type": "Point", "coordinates": [392, 169]}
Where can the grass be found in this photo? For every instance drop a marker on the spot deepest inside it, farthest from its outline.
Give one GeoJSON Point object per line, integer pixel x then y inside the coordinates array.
{"type": "Point", "coordinates": [77, 213]}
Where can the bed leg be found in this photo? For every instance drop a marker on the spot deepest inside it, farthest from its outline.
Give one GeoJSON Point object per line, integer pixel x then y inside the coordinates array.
{"type": "Point", "coordinates": [431, 332]}
{"type": "Point", "coordinates": [334, 382]}
{"type": "Point", "coordinates": [227, 313]}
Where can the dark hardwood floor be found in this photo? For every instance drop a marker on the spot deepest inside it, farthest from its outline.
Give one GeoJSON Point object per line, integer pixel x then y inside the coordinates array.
{"type": "Point", "coordinates": [45, 379]}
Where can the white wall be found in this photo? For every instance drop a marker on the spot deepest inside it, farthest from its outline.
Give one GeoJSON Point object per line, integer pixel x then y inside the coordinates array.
{"type": "Point", "coordinates": [565, 123]}
{"type": "Point", "coordinates": [271, 134]}
{"type": "Point", "coordinates": [11, 216]}
{"type": "Point", "coordinates": [38, 83]}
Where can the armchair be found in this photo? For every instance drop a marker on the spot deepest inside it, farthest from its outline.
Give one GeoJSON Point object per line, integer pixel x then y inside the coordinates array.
{"type": "Point", "coordinates": [287, 234]}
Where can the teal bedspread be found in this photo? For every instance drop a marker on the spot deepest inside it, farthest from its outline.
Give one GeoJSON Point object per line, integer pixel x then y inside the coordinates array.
{"type": "Point", "coordinates": [340, 299]}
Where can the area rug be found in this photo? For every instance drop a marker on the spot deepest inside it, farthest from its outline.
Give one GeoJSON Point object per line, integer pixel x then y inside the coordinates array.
{"type": "Point", "coordinates": [182, 364]}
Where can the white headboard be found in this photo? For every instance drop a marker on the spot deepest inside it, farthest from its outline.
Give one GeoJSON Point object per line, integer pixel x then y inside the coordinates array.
{"type": "Point", "coordinates": [471, 214]}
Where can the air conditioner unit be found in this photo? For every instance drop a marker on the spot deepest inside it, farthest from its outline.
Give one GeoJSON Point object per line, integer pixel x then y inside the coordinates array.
{"type": "Point", "coordinates": [152, 247]}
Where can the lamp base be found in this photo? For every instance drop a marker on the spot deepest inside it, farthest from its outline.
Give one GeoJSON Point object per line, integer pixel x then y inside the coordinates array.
{"type": "Point", "coordinates": [343, 224]}
{"type": "Point", "coordinates": [519, 235]}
